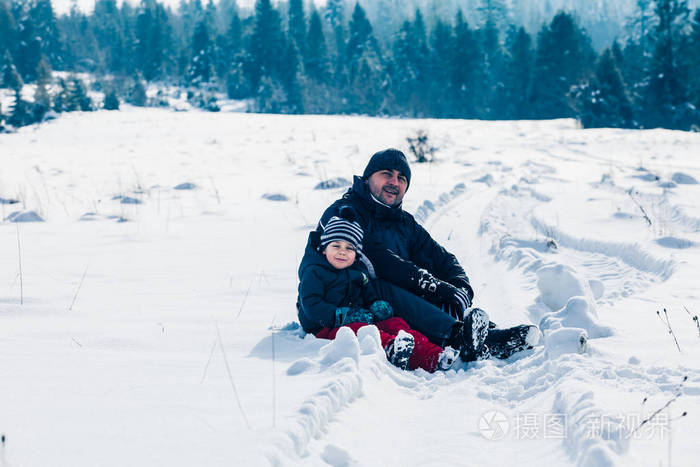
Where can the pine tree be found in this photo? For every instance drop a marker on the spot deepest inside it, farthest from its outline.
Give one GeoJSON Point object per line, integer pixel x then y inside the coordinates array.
{"type": "Point", "coordinates": [9, 77]}
{"type": "Point", "coordinates": [666, 95]}
{"type": "Point", "coordinates": [107, 30]}
{"type": "Point", "coordinates": [335, 19]}
{"type": "Point", "coordinates": [45, 28]}
{"type": "Point", "coordinates": [201, 68]}
{"type": "Point", "coordinates": [137, 94]}
{"type": "Point", "coordinates": [20, 112]}
{"type": "Point", "coordinates": [153, 39]}
{"type": "Point", "coordinates": [603, 101]}
{"type": "Point", "coordinates": [694, 62]}
{"type": "Point", "coordinates": [442, 45]}
{"type": "Point", "coordinates": [77, 98]}
{"type": "Point", "coordinates": [42, 102]}
{"type": "Point", "coordinates": [297, 25]}
{"type": "Point", "coordinates": [316, 64]}
{"type": "Point", "coordinates": [365, 71]}
{"type": "Point", "coordinates": [61, 97]}
{"type": "Point", "coordinates": [8, 32]}
{"type": "Point", "coordinates": [290, 79]}
{"type": "Point", "coordinates": [266, 43]}
{"type": "Point", "coordinates": [518, 75]}
{"type": "Point", "coordinates": [81, 46]}
{"type": "Point", "coordinates": [466, 70]}
{"type": "Point", "coordinates": [29, 45]}
{"type": "Point", "coordinates": [562, 60]}
{"type": "Point", "coordinates": [111, 100]}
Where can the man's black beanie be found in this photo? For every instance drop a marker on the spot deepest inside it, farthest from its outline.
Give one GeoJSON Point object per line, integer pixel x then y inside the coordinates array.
{"type": "Point", "coordinates": [391, 159]}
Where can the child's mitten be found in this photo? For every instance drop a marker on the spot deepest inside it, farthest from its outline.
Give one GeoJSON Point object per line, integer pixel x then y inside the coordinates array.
{"type": "Point", "coordinates": [346, 315]}
{"type": "Point", "coordinates": [381, 310]}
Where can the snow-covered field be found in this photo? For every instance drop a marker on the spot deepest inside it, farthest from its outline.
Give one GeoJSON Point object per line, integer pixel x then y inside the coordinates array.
{"type": "Point", "coordinates": [154, 324]}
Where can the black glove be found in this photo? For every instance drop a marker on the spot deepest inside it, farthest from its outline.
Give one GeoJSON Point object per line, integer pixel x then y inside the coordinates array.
{"type": "Point", "coordinates": [453, 299]}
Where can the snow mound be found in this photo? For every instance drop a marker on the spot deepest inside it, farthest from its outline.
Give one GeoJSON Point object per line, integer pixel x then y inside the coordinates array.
{"type": "Point", "coordinates": [576, 314]}
{"type": "Point", "coordinates": [588, 444]}
{"type": "Point", "coordinates": [337, 457]}
{"type": "Point", "coordinates": [333, 183]}
{"type": "Point", "coordinates": [648, 177]}
{"type": "Point", "coordinates": [93, 216]}
{"type": "Point", "coordinates": [487, 179]}
{"type": "Point", "coordinates": [558, 283]}
{"type": "Point", "coordinates": [339, 358]}
{"type": "Point", "coordinates": [674, 242]}
{"type": "Point", "coordinates": [629, 253]}
{"type": "Point", "coordinates": [369, 339]}
{"type": "Point", "coordinates": [24, 216]}
{"type": "Point", "coordinates": [345, 345]}
{"type": "Point", "coordinates": [275, 197]}
{"type": "Point", "coordinates": [597, 287]}
{"type": "Point", "coordinates": [565, 340]}
{"type": "Point", "coordinates": [185, 186]}
{"type": "Point", "coordinates": [126, 199]}
{"type": "Point", "coordinates": [428, 207]}
{"type": "Point", "coordinates": [683, 179]}
{"type": "Point", "coordinates": [571, 299]}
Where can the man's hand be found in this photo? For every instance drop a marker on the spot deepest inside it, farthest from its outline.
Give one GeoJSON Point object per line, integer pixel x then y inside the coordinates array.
{"type": "Point", "coordinates": [454, 300]}
{"type": "Point", "coordinates": [452, 296]}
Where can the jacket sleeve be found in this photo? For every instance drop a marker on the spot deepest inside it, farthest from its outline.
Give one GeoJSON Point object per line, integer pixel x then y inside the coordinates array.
{"type": "Point", "coordinates": [311, 297]}
{"type": "Point", "coordinates": [430, 255]}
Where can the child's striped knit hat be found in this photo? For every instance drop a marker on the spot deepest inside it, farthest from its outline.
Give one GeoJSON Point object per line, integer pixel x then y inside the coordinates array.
{"type": "Point", "coordinates": [343, 228]}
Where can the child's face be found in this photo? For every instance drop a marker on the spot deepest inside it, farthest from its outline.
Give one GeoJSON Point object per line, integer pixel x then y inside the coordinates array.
{"type": "Point", "coordinates": [340, 254]}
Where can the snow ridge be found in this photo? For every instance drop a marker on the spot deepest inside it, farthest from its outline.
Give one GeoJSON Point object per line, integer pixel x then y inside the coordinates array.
{"type": "Point", "coordinates": [631, 254]}
{"type": "Point", "coordinates": [339, 358]}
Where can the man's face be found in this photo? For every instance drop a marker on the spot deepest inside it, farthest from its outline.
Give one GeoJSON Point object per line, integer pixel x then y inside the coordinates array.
{"type": "Point", "coordinates": [388, 186]}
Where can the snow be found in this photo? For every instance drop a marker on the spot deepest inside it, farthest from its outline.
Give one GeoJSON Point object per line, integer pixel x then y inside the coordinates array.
{"type": "Point", "coordinates": [164, 332]}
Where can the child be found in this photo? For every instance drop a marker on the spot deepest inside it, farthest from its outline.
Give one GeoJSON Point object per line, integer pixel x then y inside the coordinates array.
{"type": "Point", "coordinates": [335, 291]}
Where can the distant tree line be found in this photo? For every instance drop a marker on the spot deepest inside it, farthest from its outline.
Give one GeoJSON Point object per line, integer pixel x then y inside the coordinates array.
{"type": "Point", "coordinates": [288, 59]}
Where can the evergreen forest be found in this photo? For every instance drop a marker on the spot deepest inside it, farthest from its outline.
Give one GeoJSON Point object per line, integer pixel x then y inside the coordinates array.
{"type": "Point", "coordinates": [292, 57]}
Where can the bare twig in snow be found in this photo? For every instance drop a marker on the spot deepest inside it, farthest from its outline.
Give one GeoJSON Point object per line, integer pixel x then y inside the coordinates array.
{"type": "Point", "coordinates": [668, 326]}
{"type": "Point", "coordinates": [245, 297]}
{"type": "Point", "coordinates": [274, 380]}
{"type": "Point", "coordinates": [694, 318]}
{"type": "Point", "coordinates": [19, 256]}
{"type": "Point", "coordinates": [651, 417]}
{"type": "Point", "coordinates": [211, 354]}
{"type": "Point", "coordinates": [230, 377]}
{"type": "Point", "coordinates": [78, 290]}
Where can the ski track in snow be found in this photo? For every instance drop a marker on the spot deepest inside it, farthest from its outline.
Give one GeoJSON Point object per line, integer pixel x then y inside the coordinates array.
{"type": "Point", "coordinates": [622, 269]}
{"type": "Point", "coordinates": [571, 274]}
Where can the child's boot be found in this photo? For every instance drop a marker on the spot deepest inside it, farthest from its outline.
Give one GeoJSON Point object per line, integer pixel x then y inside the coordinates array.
{"type": "Point", "coordinates": [400, 350]}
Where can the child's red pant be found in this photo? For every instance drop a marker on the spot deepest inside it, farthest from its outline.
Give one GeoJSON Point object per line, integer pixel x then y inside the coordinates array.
{"type": "Point", "coordinates": [425, 354]}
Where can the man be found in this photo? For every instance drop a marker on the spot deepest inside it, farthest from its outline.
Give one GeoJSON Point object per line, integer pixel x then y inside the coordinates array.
{"type": "Point", "coordinates": [424, 282]}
